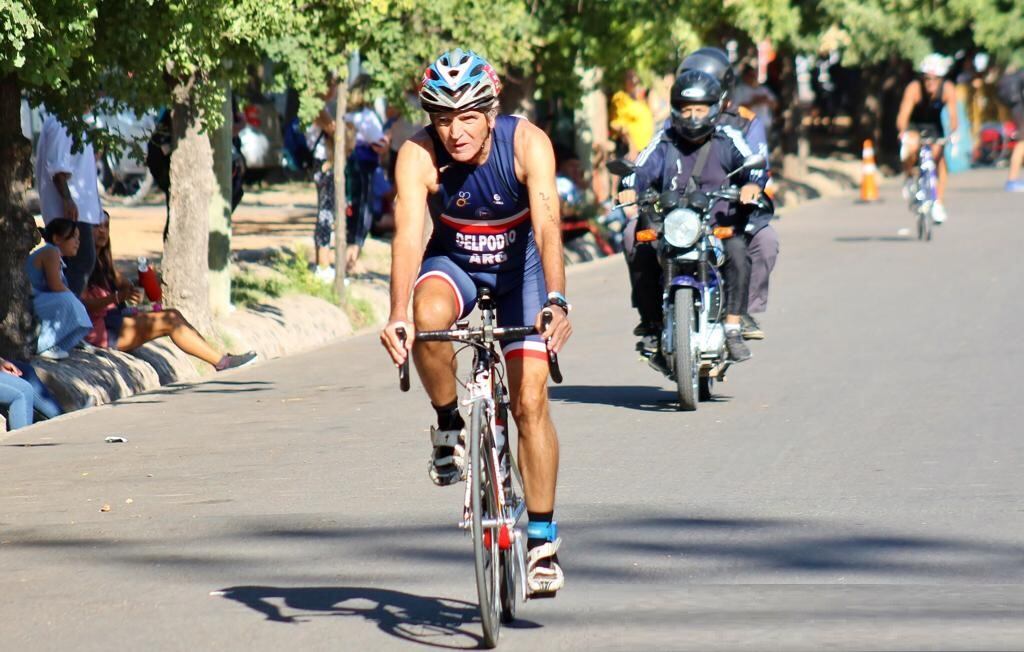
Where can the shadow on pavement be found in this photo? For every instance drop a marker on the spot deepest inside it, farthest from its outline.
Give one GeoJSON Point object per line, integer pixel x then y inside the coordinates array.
{"type": "Point", "coordinates": [436, 622]}
{"type": "Point", "coordinates": [855, 239]}
{"type": "Point", "coordinates": [208, 387]}
{"type": "Point", "coordinates": [636, 397]}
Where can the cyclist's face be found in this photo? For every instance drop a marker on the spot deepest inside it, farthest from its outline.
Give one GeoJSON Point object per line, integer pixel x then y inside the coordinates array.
{"type": "Point", "coordinates": [694, 111]}
{"type": "Point", "coordinates": [464, 134]}
{"type": "Point", "coordinates": [931, 83]}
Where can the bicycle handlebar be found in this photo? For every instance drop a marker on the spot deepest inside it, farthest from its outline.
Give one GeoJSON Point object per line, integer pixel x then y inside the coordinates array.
{"type": "Point", "coordinates": [499, 334]}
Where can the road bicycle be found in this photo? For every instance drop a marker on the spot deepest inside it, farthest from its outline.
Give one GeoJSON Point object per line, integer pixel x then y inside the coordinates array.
{"type": "Point", "coordinates": [923, 188]}
{"type": "Point", "coordinates": [494, 499]}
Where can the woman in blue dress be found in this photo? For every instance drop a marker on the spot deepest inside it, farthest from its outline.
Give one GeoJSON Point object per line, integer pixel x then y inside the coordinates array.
{"type": "Point", "coordinates": [62, 316]}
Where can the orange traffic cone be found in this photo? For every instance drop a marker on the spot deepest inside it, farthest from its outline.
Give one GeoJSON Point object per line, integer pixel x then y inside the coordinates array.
{"type": "Point", "coordinates": [869, 174]}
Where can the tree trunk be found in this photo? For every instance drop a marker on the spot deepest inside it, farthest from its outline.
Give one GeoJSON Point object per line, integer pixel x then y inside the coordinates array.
{"type": "Point", "coordinates": [340, 203]}
{"type": "Point", "coordinates": [794, 133]}
{"type": "Point", "coordinates": [220, 214]}
{"type": "Point", "coordinates": [592, 142]}
{"type": "Point", "coordinates": [18, 234]}
{"type": "Point", "coordinates": [185, 262]}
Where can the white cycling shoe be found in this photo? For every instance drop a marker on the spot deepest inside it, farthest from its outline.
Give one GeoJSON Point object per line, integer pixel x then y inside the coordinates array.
{"type": "Point", "coordinates": [542, 581]}
{"type": "Point", "coordinates": [447, 469]}
{"type": "Point", "coordinates": [938, 213]}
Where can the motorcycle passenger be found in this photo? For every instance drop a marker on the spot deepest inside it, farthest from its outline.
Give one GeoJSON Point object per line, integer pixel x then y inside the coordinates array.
{"type": "Point", "coordinates": [671, 162]}
{"type": "Point", "coordinates": [923, 101]}
{"type": "Point", "coordinates": [762, 238]}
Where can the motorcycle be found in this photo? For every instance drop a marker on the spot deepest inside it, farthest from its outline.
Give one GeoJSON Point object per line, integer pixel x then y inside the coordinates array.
{"type": "Point", "coordinates": [691, 346]}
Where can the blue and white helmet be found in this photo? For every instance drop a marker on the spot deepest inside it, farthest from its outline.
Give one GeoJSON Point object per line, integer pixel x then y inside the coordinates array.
{"type": "Point", "coordinates": [459, 80]}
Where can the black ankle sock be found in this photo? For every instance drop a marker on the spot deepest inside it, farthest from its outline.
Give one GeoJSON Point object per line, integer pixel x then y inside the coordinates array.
{"type": "Point", "coordinates": [538, 517]}
{"type": "Point", "coordinates": [448, 417]}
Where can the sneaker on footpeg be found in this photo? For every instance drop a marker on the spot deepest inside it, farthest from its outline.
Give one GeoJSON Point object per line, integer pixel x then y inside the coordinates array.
{"type": "Point", "coordinates": [737, 348]}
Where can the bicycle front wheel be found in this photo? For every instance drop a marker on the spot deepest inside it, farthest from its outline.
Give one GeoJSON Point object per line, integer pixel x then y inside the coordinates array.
{"type": "Point", "coordinates": [486, 513]}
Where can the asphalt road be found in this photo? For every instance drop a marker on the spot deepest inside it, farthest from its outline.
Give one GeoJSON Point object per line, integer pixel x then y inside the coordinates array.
{"type": "Point", "coordinates": [857, 485]}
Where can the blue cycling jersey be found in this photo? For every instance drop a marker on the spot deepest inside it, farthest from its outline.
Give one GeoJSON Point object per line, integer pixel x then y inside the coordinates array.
{"type": "Point", "coordinates": [483, 237]}
{"type": "Point", "coordinates": [481, 213]}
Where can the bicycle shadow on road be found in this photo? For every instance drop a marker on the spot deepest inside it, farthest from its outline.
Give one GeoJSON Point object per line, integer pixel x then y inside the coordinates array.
{"type": "Point", "coordinates": [432, 621]}
{"type": "Point", "coordinates": [634, 397]}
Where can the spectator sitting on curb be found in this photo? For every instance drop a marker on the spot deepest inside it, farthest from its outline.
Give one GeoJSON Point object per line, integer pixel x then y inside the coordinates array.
{"type": "Point", "coordinates": [105, 297]}
{"type": "Point", "coordinates": [19, 399]}
{"type": "Point", "coordinates": [63, 319]}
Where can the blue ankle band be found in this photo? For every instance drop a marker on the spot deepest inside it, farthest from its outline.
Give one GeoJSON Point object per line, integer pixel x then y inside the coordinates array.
{"type": "Point", "coordinates": [542, 530]}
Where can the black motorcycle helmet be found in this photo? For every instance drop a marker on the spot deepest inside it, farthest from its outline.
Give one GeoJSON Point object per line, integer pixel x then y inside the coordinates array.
{"type": "Point", "coordinates": [695, 87]}
{"type": "Point", "coordinates": [715, 62]}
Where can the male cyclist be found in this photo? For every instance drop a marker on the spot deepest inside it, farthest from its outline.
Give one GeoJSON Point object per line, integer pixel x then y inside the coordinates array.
{"type": "Point", "coordinates": [693, 153]}
{"type": "Point", "coordinates": [762, 238]}
{"type": "Point", "coordinates": [488, 181]}
{"type": "Point", "coordinates": [921, 109]}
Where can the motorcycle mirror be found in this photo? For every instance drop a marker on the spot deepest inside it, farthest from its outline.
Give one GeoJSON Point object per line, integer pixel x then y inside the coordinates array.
{"type": "Point", "coordinates": [620, 167]}
{"type": "Point", "coordinates": [669, 200]}
{"type": "Point", "coordinates": [752, 162]}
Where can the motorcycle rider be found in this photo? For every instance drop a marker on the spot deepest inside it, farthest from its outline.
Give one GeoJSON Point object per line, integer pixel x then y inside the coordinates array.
{"type": "Point", "coordinates": [693, 154]}
{"type": "Point", "coordinates": [762, 238]}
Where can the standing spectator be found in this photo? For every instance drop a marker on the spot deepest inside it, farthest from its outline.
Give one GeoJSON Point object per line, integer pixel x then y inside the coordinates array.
{"type": "Point", "coordinates": [158, 160]}
{"type": "Point", "coordinates": [320, 138]}
{"type": "Point", "coordinates": [1011, 92]}
{"type": "Point", "coordinates": [370, 143]}
{"type": "Point", "coordinates": [756, 97]}
{"type": "Point", "coordinates": [68, 189]}
{"type": "Point", "coordinates": [63, 319]}
{"type": "Point", "coordinates": [632, 123]}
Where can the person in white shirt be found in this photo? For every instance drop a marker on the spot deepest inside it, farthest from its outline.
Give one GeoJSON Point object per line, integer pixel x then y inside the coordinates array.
{"type": "Point", "coordinates": [67, 185]}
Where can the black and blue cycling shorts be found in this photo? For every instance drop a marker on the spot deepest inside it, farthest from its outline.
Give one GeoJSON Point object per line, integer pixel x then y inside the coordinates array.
{"type": "Point", "coordinates": [519, 295]}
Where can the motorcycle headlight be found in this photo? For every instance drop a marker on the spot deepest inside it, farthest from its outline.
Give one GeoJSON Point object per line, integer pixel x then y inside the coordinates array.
{"type": "Point", "coordinates": [682, 227]}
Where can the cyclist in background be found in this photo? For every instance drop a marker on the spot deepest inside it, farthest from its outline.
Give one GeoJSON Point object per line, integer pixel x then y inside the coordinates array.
{"type": "Point", "coordinates": [488, 181]}
{"type": "Point", "coordinates": [923, 101]}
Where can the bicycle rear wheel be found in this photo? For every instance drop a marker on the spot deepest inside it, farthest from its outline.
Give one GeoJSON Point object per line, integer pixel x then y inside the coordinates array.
{"type": "Point", "coordinates": [484, 502]}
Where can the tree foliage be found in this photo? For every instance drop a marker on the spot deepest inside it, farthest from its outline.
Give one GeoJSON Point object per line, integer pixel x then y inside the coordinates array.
{"type": "Point", "coordinates": [395, 39]}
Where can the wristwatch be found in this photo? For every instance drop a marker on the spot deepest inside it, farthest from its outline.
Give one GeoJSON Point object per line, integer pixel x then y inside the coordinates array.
{"type": "Point", "coordinates": [558, 299]}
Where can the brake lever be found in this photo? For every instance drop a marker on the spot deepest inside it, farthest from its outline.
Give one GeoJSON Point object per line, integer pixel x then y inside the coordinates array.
{"type": "Point", "coordinates": [556, 372]}
{"type": "Point", "coordinates": [403, 369]}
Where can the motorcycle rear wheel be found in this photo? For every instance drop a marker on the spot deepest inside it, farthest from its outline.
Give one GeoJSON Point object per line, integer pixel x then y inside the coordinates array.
{"type": "Point", "coordinates": [686, 365]}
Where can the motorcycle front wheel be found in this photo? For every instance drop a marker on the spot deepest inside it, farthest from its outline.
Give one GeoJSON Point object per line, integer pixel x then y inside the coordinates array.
{"type": "Point", "coordinates": [686, 364]}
